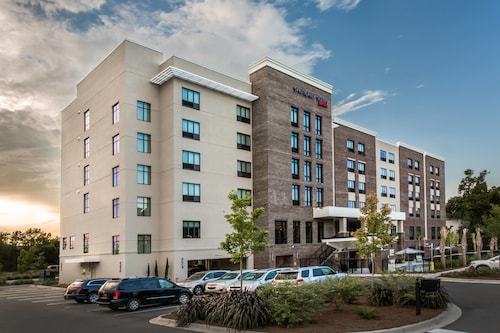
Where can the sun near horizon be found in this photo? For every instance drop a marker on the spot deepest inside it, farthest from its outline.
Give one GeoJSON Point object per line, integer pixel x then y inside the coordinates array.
{"type": "Point", "coordinates": [22, 215]}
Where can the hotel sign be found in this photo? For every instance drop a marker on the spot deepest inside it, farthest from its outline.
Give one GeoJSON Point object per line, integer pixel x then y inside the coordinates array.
{"type": "Point", "coordinates": [320, 100]}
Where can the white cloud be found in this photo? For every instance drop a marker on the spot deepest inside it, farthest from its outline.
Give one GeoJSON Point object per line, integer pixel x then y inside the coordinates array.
{"type": "Point", "coordinates": [346, 5]}
{"type": "Point", "coordinates": [420, 86]}
{"type": "Point", "coordinates": [350, 104]}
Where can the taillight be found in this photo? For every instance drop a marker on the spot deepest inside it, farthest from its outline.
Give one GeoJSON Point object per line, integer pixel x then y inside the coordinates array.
{"type": "Point", "coordinates": [300, 280]}
{"type": "Point", "coordinates": [76, 288]}
{"type": "Point", "coordinates": [116, 294]}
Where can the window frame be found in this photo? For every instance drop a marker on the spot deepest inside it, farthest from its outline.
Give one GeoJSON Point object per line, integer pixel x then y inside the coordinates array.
{"type": "Point", "coordinates": [191, 192]}
{"type": "Point", "coordinates": [143, 143]}
{"type": "Point", "coordinates": [144, 243]}
{"type": "Point", "coordinates": [243, 114]}
{"type": "Point", "coordinates": [191, 98]}
{"type": "Point", "coordinates": [143, 174]}
{"type": "Point", "coordinates": [191, 129]}
{"type": "Point", "coordinates": [143, 111]}
{"type": "Point", "coordinates": [191, 229]}
{"type": "Point", "coordinates": [143, 206]}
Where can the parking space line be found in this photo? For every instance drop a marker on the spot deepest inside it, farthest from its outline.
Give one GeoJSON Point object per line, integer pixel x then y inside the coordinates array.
{"type": "Point", "coordinates": [145, 310]}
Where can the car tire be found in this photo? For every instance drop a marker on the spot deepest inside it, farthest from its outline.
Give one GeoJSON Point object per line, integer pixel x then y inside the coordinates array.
{"type": "Point", "coordinates": [198, 290]}
{"type": "Point", "coordinates": [92, 298]}
{"type": "Point", "coordinates": [133, 304]}
{"type": "Point", "coordinates": [183, 298]}
{"type": "Point", "coordinates": [482, 268]}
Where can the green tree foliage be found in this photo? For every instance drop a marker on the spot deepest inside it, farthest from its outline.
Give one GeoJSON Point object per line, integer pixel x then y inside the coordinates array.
{"type": "Point", "coordinates": [247, 237]}
{"type": "Point", "coordinates": [491, 222]}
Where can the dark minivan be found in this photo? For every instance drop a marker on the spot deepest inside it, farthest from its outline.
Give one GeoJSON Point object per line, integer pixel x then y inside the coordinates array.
{"type": "Point", "coordinates": [84, 290]}
{"type": "Point", "coordinates": [132, 293]}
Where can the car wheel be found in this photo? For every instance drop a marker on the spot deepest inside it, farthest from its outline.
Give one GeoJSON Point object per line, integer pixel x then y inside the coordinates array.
{"type": "Point", "coordinates": [92, 298]}
{"type": "Point", "coordinates": [198, 290]}
{"type": "Point", "coordinates": [183, 298]}
{"type": "Point", "coordinates": [133, 304]}
{"type": "Point", "coordinates": [482, 268]}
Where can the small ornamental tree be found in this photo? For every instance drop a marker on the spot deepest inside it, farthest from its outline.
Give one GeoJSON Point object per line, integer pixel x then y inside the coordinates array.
{"type": "Point", "coordinates": [247, 237]}
{"type": "Point", "coordinates": [375, 232]}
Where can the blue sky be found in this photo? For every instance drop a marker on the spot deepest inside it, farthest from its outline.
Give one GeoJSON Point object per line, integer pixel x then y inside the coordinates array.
{"type": "Point", "coordinates": [421, 72]}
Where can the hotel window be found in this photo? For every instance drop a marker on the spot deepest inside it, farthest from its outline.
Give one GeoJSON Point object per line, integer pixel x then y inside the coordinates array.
{"type": "Point", "coordinates": [295, 142]}
{"type": "Point", "coordinates": [307, 121]}
{"type": "Point", "coordinates": [190, 160]}
{"type": "Point", "coordinates": [115, 110]}
{"type": "Point", "coordinates": [350, 145]}
{"type": "Point", "coordinates": [64, 243]}
{"type": "Point", "coordinates": [417, 180]}
{"type": "Point", "coordinates": [351, 186]}
{"type": "Point", "coordinates": [143, 243]}
{"type": "Point", "coordinates": [433, 233]}
{"type": "Point", "coordinates": [294, 116]}
{"type": "Point", "coordinates": [393, 208]}
{"type": "Point", "coordinates": [394, 230]}
{"type": "Point", "coordinates": [280, 232]}
{"type": "Point", "coordinates": [392, 192]}
{"type": "Point", "coordinates": [319, 148]}
{"type": "Point", "coordinates": [243, 141]}
{"type": "Point", "coordinates": [392, 175]}
{"type": "Point", "coordinates": [86, 243]}
{"type": "Point", "coordinates": [361, 148]}
{"type": "Point", "coordinates": [143, 206]}
{"type": "Point", "coordinates": [318, 125]}
{"type": "Point", "coordinates": [115, 239]}
{"type": "Point", "coordinates": [190, 192]}
{"type": "Point", "coordinates": [351, 204]}
{"type": "Point", "coordinates": [431, 169]}
{"type": "Point", "coordinates": [307, 171]}
{"type": "Point", "coordinates": [350, 165]}
{"type": "Point", "coordinates": [86, 202]}
{"type": "Point", "coordinates": [243, 193]}
{"type": "Point", "coordinates": [410, 179]}
{"type": "Point", "coordinates": [438, 199]}
{"type": "Point", "coordinates": [143, 174]}
{"type": "Point", "coordinates": [432, 198]}
{"type": "Point", "coordinates": [410, 211]}
{"type": "Point", "coordinates": [143, 111]}
{"type": "Point", "coordinates": [116, 208]}
{"type": "Point", "coordinates": [309, 232]}
{"type": "Point", "coordinates": [362, 187]}
{"type": "Point", "coordinates": [383, 190]}
{"type": "Point", "coordinates": [418, 232]}
{"type": "Point", "coordinates": [319, 173]}
{"type": "Point", "coordinates": [383, 173]}
{"type": "Point", "coordinates": [242, 114]}
{"type": "Point", "coordinates": [437, 184]}
{"type": "Point", "coordinates": [190, 129]}
{"type": "Point", "coordinates": [307, 146]}
{"type": "Point", "coordinates": [307, 196]}
{"type": "Point", "coordinates": [116, 144]}
{"type": "Point", "coordinates": [362, 204]}
{"type": "Point", "coordinates": [86, 120]}
{"type": "Point", "coordinates": [412, 233]}
{"type": "Point", "coordinates": [116, 176]}
{"type": "Point", "coordinates": [417, 212]}
{"type": "Point", "coordinates": [431, 183]}
{"type": "Point", "coordinates": [71, 242]}
{"type": "Point", "coordinates": [391, 158]}
{"type": "Point", "coordinates": [417, 196]}
{"type": "Point", "coordinates": [296, 232]}
{"type": "Point", "coordinates": [86, 175]}
{"type": "Point", "coordinates": [244, 169]}
{"type": "Point", "coordinates": [143, 143]}
{"type": "Point", "coordinates": [436, 171]}
{"type": "Point", "coordinates": [319, 197]}
{"type": "Point", "coordinates": [190, 229]}
{"type": "Point", "coordinates": [190, 98]}
{"type": "Point", "coordinates": [295, 168]}
{"type": "Point", "coordinates": [361, 168]}
{"type": "Point", "coordinates": [416, 165]}
{"type": "Point", "coordinates": [410, 195]}
{"type": "Point", "coordinates": [409, 162]}
{"type": "Point", "coordinates": [86, 147]}
{"type": "Point", "coordinates": [383, 155]}
{"type": "Point", "coordinates": [321, 231]}
{"type": "Point", "coordinates": [295, 195]}
{"type": "Point", "coordinates": [438, 214]}
{"type": "Point", "coordinates": [433, 213]}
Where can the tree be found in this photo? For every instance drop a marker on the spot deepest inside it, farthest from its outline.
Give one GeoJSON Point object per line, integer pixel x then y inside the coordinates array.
{"type": "Point", "coordinates": [492, 223]}
{"type": "Point", "coordinates": [374, 234]}
{"type": "Point", "coordinates": [247, 237]}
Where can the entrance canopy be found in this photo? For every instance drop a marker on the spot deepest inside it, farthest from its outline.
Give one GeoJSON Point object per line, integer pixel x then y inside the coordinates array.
{"type": "Point", "coordinates": [341, 243]}
{"type": "Point", "coordinates": [82, 260]}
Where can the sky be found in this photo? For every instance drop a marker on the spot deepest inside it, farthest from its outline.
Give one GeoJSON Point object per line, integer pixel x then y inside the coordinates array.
{"type": "Point", "coordinates": [422, 72]}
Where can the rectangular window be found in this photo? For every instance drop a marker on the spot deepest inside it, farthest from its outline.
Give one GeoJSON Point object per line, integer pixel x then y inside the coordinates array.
{"type": "Point", "coordinates": [392, 159]}
{"type": "Point", "coordinates": [417, 180]}
{"type": "Point", "coordinates": [321, 231]}
{"type": "Point", "coordinates": [309, 232]}
{"type": "Point", "coordinates": [143, 243]}
{"type": "Point", "coordinates": [319, 197]}
{"type": "Point", "coordinates": [143, 143]}
{"type": "Point", "coordinates": [86, 120]}
{"type": "Point", "coordinates": [143, 174]}
{"type": "Point", "coordinates": [307, 196]}
{"type": "Point", "coordinates": [319, 173]}
{"type": "Point", "coordinates": [409, 163]}
{"type": "Point", "coordinates": [243, 193]}
{"type": "Point", "coordinates": [295, 168]}
{"type": "Point", "coordinates": [392, 192]}
{"type": "Point", "coordinates": [116, 176]}
{"type": "Point", "coordinates": [416, 165]}
{"type": "Point", "coordinates": [143, 206]}
{"type": "Point", "coordinates": [383, 155]}
{"type": "Point", "coordinates": [116, 208]}
{"type": "Point", "coordinates": [431, 183]}
{"type": "Point", "coordinates": [86, 243]}
{"type": "Point", "coordinates": [307, 121]}
{"type": "Point", "coordinates": [433, 233]}
{"type": "Point", "coordinates": [296, 232]}
{"type": "Point", "coordinates": [436, 171]}
{"type": "Point", "coordinates": [86, 175]}
{"type": "Point", "coordinates": [417, 212]}
{"type": "Point", "coordinates": [410, 179]}
{"type": "Point", "coordinates": [191, 192]}
{"type": "Point", "coordinates": [437, 184]}
{"type": "Point", "coordinates": [115, 239]}
{"type": "Point", "coordinates": [383, 173]}
{"type": "Point", "coordinates": [394, 230]}
{"type": "Point", "coordinates": [71, 242]}
{"type": "Point", "coordinates": [243, 141]}
{"type": "Point", "coordinates": [362, 187]}
{"type": "Point", "coordinates": [115, 110]}
{"type": "Point", "coordinates": [244, 169]}
{"type": "Point", "coordinates": [190, 160]}
{"type": "Point", "coordinates": [410, 195]}
{"type": "Point", "coordinates": [350, 165]}
{"type": "Point", "coordinates": [86, 202]}
{"type": "Point", "coordinates": [351, 186]}
{"type": "Point", "coordinates": [143, 111]}
{"type": "Point", "coordinates": [190, 229]}
{"type": "Point", "coordinates": [361, 148]}
{"type": "Point", "coordinates": [319, 148]}
{"type": "Point", "coordinates": [295, 195]}
{"type": "Point", "coordinates": [294, 116]}
{"type": "Point", "coordinates": [418, 232]}
{"type": "Point", "coordinates": [383, 190]}
{"type": "Point", "coordinates": [190, 129]}
{"type": "Point", "coordinates": [350, 145]}
{"type": "Point", "coordinates": [318, 125]}
{"type": "Point", "coordinates": [431, 169]}
{"type": "Point", "coordinates": [362, 204]}
{"type": "Point", "coordinates": [116, 144]}
{"type": "Point", "coordinates": [361, 168]}
{"type": "Point", "coordinates": [64, 243]}
{"type": "Point", "coordinates": [351, 204]}
{"type": "Point", "coordinates": [417, 196]}
{"type": "Point", "coordinates": [307, 171]}
{"type": "Point", "coordinates": [307, 146]}
{"type": "Point", "coordinates": [295, 142]}
{"type": "Point", "coordinates": [191, 98]}
{"type": "Point", "coordinates": [86, 147]}
{"type": "Point", "coordinates": [392, 175]}
{"type": "Point", "coordinates": [280, 232]}
{"type": "Point", "coordinates": [243, 114]}
{"type": "Point", "coordinates": [412, 233]}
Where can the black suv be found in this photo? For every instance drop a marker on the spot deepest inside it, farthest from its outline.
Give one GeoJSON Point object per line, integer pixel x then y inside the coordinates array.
{"type": "Point", "coordinates": [132, 293]}
{"type": "Point", "coordinates": [84, 290]}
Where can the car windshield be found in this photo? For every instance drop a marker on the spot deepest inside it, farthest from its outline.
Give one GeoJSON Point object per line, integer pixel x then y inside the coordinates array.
{"type": "Point", "coordinates": [196, 276]}
{"type": "Point", "coordinates": [253, 276]}
{"type": "Point", "coordinates": [229, 276]}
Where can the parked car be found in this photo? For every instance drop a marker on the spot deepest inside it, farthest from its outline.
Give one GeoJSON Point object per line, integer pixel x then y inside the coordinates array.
{"type": "Point", "coordinates": [485, 264]}
{"type": "Point", "coordinates": [84, 290]}
{"type": "Point", "coordinates": [256, 279]}
{"type": "Point", "coordinates": [132, 293]}
{"type": "Point", "coordinates": [307, 275]}
{"type": "Point", "coordinates": [197, 281]}
{"type": "Point", "coordinates": [220, 285]}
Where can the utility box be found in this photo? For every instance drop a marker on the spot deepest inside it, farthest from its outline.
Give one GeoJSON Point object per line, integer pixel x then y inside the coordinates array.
{"type": "Point", "coordinates": [430, 284]}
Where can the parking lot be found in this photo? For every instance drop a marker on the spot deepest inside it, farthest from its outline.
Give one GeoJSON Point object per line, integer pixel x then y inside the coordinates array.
{"type": "Point", "coordinates": [27, 308]}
